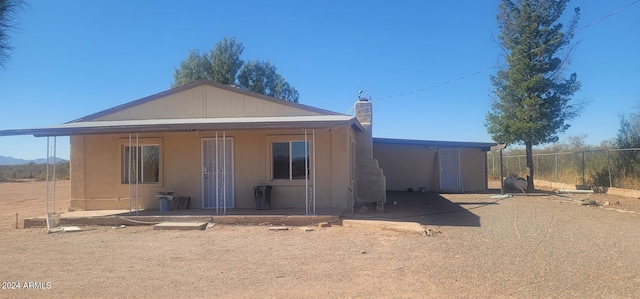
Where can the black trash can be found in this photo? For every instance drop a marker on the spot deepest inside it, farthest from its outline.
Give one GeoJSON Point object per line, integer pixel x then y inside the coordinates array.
{"type": "Point", "coordinates": [262, 195]}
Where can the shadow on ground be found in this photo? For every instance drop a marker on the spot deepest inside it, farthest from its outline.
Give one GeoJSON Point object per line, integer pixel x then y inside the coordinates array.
{"type": "Point", "coordinates": [431, 208]}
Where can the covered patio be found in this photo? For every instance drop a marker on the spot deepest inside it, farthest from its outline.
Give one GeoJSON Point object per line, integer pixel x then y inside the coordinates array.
{"type": "Point", "coordinates": [216, 132]}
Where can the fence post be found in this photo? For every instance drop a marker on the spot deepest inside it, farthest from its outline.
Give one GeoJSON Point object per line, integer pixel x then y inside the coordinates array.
{"type": "Point", "coordinates": [609, 169]}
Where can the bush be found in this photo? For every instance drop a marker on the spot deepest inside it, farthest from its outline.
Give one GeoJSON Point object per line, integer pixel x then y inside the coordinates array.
{"type": "Point", "coordinates": [32, 170]}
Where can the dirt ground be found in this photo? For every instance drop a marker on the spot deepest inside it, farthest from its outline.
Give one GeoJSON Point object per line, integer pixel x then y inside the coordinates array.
{"type": "Point", "coordinates": [543, 245]}
{"type": "Point", "coordinates": [604, 201]}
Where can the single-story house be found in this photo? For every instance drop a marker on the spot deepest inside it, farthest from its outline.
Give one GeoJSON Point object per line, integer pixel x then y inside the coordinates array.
{"type": "Point", "coordinates": [214, 143]}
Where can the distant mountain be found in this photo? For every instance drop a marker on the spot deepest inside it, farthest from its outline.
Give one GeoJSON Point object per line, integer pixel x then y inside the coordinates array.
{"type": "Point", "coordinates": [13, 161]}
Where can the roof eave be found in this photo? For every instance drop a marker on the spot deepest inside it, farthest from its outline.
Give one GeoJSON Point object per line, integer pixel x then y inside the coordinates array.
{"type": "Point", "coordinates": [91, 128]}
{"type": "Point", "coordinates": [485, 146]}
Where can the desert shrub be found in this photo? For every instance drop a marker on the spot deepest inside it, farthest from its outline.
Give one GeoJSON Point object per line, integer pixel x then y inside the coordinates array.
{"type": "Point", "coordinates": [33, 171]}
{"type": "Point", "coordinates": [599, 177]}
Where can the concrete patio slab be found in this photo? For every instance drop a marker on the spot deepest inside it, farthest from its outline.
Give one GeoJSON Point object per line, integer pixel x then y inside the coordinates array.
{"type": "Point", "coordinates": [280, 217]}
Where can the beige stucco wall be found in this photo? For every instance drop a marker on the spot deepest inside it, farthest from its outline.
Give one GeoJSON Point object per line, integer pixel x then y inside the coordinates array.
{"type": "Point", "coordinates": [416, 166]}
{"type": "Point", "coordinates": [96, 168]}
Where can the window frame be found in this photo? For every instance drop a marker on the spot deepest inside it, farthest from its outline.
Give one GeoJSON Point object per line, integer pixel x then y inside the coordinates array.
{"type": "Point", "coordinates": [290, 162]}
{"type": "Point", "coordinates": [124, 179]}
{"type": "Point", "coordinates": [268, 169]}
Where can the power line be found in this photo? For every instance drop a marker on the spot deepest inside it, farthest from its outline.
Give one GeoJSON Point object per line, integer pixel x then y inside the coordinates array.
{"type": "Point", "coordinates": [607, 16]}
{"type": "Point", "coordinates": [503, 63]}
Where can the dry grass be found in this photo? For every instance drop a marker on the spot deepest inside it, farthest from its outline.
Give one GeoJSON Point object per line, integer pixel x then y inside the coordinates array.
{"type": "Point", "coordinates": [627, 182]}
{"type": "Point", "coordinates": [575, 177]}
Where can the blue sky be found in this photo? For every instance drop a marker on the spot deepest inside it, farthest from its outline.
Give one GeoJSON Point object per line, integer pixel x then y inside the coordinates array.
{"type": "Point", "coordinates": [74, 58]}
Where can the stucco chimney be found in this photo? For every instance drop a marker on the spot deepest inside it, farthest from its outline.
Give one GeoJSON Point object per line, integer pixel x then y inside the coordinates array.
{"type": "Point", "coordinates": [364, 115]}
{"type": "Point", "coordinates": [370, 181]}
{"type": "Point", "coordinates": [364, 111]}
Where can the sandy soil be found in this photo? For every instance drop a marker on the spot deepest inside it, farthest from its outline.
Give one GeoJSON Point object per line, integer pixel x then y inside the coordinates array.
{"type": "Point", "coordinates": [27, 199]}
{"type": "Point", "coordinates": [523, 247]}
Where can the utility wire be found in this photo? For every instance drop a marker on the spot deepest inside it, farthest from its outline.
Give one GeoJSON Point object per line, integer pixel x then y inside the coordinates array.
{"type": "Point", "coordinates": [503, 63]}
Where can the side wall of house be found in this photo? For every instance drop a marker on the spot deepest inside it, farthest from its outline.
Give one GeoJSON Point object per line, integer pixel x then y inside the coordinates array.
{"type": "Point", "coordinates": [97, 167]}
{"type": "Point", "coordinates": [415, 166]}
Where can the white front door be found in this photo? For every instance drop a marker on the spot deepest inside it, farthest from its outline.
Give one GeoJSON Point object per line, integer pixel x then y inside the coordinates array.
{"type": "Point", "coordinates": [450, 169]}
{"type": "Point", "coordinates": [217, 173]}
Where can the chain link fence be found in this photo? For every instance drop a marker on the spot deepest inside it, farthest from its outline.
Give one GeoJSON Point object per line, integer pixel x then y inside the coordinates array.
{"type": "Point", "coordinates": [618, 168]}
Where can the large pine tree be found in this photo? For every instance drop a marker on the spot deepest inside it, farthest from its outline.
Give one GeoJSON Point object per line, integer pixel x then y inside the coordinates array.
{"type": "Point", "coordinates": [532, 96]}
{"type": "Point", "coordinates": [8, 12]}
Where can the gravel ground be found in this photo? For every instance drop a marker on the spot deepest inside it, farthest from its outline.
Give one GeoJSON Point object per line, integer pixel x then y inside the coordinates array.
{"type": "Point", "coordinates": [523, 247]}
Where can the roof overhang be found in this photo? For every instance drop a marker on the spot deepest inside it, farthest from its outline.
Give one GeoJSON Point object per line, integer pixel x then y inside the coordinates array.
{"type": "Point", "coordinates": [187, 124]}
{"type": "Point", "coordinates": [485, 146]}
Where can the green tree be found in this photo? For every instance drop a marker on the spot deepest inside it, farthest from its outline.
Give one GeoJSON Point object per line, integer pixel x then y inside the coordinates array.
{"type": "Point", "coordinates": [628, 137]}
{"type": "Point", "coordinates": [262, 77]}
{"type": "Point", "coordinates": [225, 60]}
{"type": "Point", "coordinates": [629, 131]}
{"type": "Point", "coordinates": [224, 65]}
{"type": "Point", "coordinates": [194, 68]}
{"type": "Point", "coordinates": [532, 101]}
{"type": "Point", "coordinates": [220, 65]}
{"type": "Point", "coordinates": [8, 11]}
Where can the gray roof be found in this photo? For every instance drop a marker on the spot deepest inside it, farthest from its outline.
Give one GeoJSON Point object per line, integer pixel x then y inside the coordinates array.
{"type": "Point", "coordinates": [435, 143]}
{"type": "Point", "coordinates": [187, 124]}
{"type": "Point", "coordinates": [86, 125]}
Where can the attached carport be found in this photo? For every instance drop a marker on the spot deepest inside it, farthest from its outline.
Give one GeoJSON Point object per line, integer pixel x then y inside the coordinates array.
{"type": "Point", "coordinates": [440, 166]}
